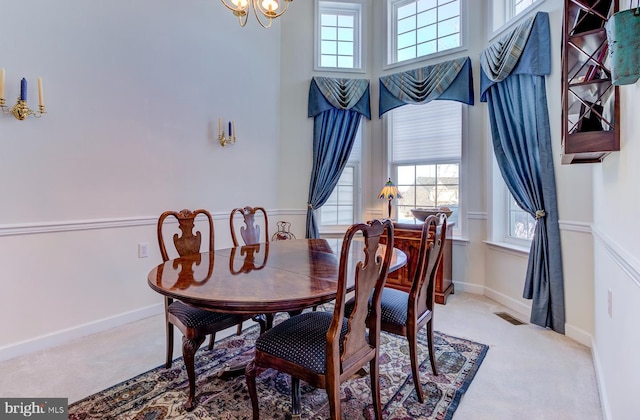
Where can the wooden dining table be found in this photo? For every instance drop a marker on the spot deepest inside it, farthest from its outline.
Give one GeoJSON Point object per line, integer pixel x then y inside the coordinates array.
{"type": "Point", "coordinates": [261, 280]}
{"type": "Point", "coordinates": [280, 276]}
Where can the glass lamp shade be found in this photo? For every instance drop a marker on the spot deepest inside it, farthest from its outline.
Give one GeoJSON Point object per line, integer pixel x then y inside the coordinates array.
{"type": "Point", "coordinates": [389, 192]}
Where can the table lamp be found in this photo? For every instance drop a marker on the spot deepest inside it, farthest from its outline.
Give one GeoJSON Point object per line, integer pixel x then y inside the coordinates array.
{"type": "Point", "coordinates": [389, 192]}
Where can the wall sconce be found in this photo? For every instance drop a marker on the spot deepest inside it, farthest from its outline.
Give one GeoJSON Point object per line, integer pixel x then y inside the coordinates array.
{"type": "Point", "coordinates": [20, 110]}
{"type": "Point", "coordinates": [389, 192]}
{"type": "Point", "coordinates": [226, 139]}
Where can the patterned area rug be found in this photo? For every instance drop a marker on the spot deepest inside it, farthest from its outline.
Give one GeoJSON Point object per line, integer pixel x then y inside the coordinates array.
{"type": "Point", "coordinates": [160, 393]}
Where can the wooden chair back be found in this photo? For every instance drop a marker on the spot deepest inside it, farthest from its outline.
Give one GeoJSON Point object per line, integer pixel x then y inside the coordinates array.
{"type": "Point", "coordinates": [421, 295]}
{"type": "Point", "coordinates": [250, 232]}
{"type": "Point", "coordinates": [189, 242]}
{"type": "Point", "coordinates": [364, 321]}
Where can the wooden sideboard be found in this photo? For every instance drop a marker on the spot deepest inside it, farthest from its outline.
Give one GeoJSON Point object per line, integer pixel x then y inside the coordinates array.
{"type": "Point", "coordinates": [407, 239]}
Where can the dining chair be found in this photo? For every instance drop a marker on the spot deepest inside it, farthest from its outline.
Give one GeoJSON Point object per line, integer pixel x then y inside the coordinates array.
{"type": "Point", "coordinates": [405, 313]}
{"type": "Point", "coordinates": [325, 349]}
{"type": "Point", "coordinates": [195, 324]}
{"type": "Point", "coordinates": [250, 232]}
{"type": "Point", "coordinates": [283, 231]}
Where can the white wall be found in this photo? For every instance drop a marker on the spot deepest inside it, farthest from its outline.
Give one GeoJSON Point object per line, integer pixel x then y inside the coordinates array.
{"type": "Point", "coordinates": [617, 265]}
{"type": "Point", "coordinates": [133, 93]}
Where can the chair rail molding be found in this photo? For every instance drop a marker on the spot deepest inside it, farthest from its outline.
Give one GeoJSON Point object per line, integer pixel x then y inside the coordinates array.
{"type": "Point", "coordinates": [573, 226]}
{"type": "Point", "coordinates": [31, 228]}
{"type": "Point", "coordinates": [477, 215]}
{"type": "Point", "coordinates": [625, 261]}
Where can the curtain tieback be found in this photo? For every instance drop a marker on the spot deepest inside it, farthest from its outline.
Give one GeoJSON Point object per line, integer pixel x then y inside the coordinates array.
{"type": "Point", "coordinates": [310, 206]}
{"type": "Point", "coordinates": [540, 214]}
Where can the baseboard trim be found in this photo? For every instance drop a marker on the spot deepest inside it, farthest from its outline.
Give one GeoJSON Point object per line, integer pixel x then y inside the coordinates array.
{"type": "Point", "coordinates": [475, 289]}
{"type": "Point", "coordinates": [578, 335]}
{"type": "Point", "coordinates": [507, 301]}
{"type": "Point", "coordinates": [602, 388]}
{"type": "Point", "coordinates": [65, 336]}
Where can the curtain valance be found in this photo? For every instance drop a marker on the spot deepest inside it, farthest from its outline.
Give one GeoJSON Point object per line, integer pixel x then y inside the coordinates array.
{"type": "Point", "coordinates": [347, 94]}
{"type": "Point", "coordinates": [524, 50]}
{"type": "Point", "coordinates": [451, 80]}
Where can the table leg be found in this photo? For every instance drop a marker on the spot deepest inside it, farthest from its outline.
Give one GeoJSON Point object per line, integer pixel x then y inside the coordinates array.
{"type": "Point", "coordinates": [189, 348]}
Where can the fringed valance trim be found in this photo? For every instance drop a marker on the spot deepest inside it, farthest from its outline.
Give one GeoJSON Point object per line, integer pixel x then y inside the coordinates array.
{"type": "Point", "coordinates": [451, 80]}
{"type": "Point", "coordinates": [326, 93]}
{"type": "Point", "coordinates": [524, 50]}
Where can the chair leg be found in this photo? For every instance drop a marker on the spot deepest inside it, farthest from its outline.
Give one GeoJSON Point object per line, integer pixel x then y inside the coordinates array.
{"type": "Point", "coordinates": [189, 348]}
{"type": "Point", "coordinates": [212, 340]}
{"type": "Point", "coordinates": [333, 395]}
{"type": "Point", "coordinates": [270, 320]}
{"type": "Point", "coordinates": [375, 386]}
{"type": "Point", "coordinates": [250, 376]}
{"type": "Point", "coordinates": [432, 352]}
{"type": "Point", "coordinates": [169, 330]}
{"type": "Point", "coordinates": [413, 355]}
{"type": "Point", "coordinates": [239, 330]}
{"type": "Point", "coordinates": [295, 397]}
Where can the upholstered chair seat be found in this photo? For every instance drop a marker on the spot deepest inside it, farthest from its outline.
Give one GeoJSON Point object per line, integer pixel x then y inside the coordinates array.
{"type": "Point", "coordinates": [301, 339]}
{"type": "Point", "coordinates": [194, 318]}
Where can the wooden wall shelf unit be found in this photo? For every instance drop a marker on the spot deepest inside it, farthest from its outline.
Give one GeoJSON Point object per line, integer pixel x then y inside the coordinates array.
{"type": "Point", "coordinates": [407, 239]}
{"type": "Point", "coordinates": [590, 103]}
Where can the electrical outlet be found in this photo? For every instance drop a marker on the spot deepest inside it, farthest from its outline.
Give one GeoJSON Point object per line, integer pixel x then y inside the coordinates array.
{"type": "Point", "coordinates": [610, 303]}
{"type": "Point", "coordinates": [143, 250]}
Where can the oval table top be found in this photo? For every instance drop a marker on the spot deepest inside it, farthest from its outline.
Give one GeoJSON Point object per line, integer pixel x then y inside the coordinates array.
{"type": "Point", "coordinates": [280, 276]}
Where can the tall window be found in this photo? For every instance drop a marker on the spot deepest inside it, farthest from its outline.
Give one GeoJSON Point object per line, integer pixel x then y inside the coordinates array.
{"type": "Point", "coordinates": [505, 11]}
{"type": "Point", "coordinates": [423, 27]}
{"type": "Point", "coordinates": [518, 6]}
{"type": "Point", "coordinates": [338, 41]}
{"type": "Point", "coordinates": [341, 209]}
{"type": "Point", "coordinates": [521, 224]}
{"type": "Point", "coordinates": [426, 148]}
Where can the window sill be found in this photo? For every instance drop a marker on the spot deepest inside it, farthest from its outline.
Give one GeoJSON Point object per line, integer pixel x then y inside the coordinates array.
{"type": "Point", "coordinates": [508, 248]}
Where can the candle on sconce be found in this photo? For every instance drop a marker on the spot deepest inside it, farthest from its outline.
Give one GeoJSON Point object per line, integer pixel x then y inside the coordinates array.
{"type": "Point", "coordinates": [1, 83]}
{"type": "Point", "coordinates": [219, 126]}
{"type": "Point", "coordinates": [23, 89]}
{"type": "Point", "coordinates": [40, 94]}
{"type": "Point", "coordinates": [234, 127]}
{"type": "Point", "coordinates": [230, 132]}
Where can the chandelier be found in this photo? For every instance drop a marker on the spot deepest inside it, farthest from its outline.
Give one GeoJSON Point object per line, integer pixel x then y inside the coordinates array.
{"type": "Point", "coordinates": [265, 10]}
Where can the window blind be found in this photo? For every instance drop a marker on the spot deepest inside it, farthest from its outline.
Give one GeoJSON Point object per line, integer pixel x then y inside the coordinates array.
{"type": "Point", "coordinates": [430, 132]}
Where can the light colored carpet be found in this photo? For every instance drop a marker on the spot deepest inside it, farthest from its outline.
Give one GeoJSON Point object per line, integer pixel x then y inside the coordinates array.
{"type": "Point", "coordinates": [528, 373]}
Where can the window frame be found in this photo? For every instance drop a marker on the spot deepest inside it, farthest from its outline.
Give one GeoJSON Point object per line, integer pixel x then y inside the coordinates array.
{"type": "Point", "coordinates": [504, 16]}
{"type": "Point", "coordinates": [391, 60]}
{"type": "Point", "coordinates": [459, 229]}
{"type": "Point", "coordinates": [356, 201]}
{"type": "Point", "coordinates": [352, 7]}
{"type": "Point", "coordinates": [436, 163]}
